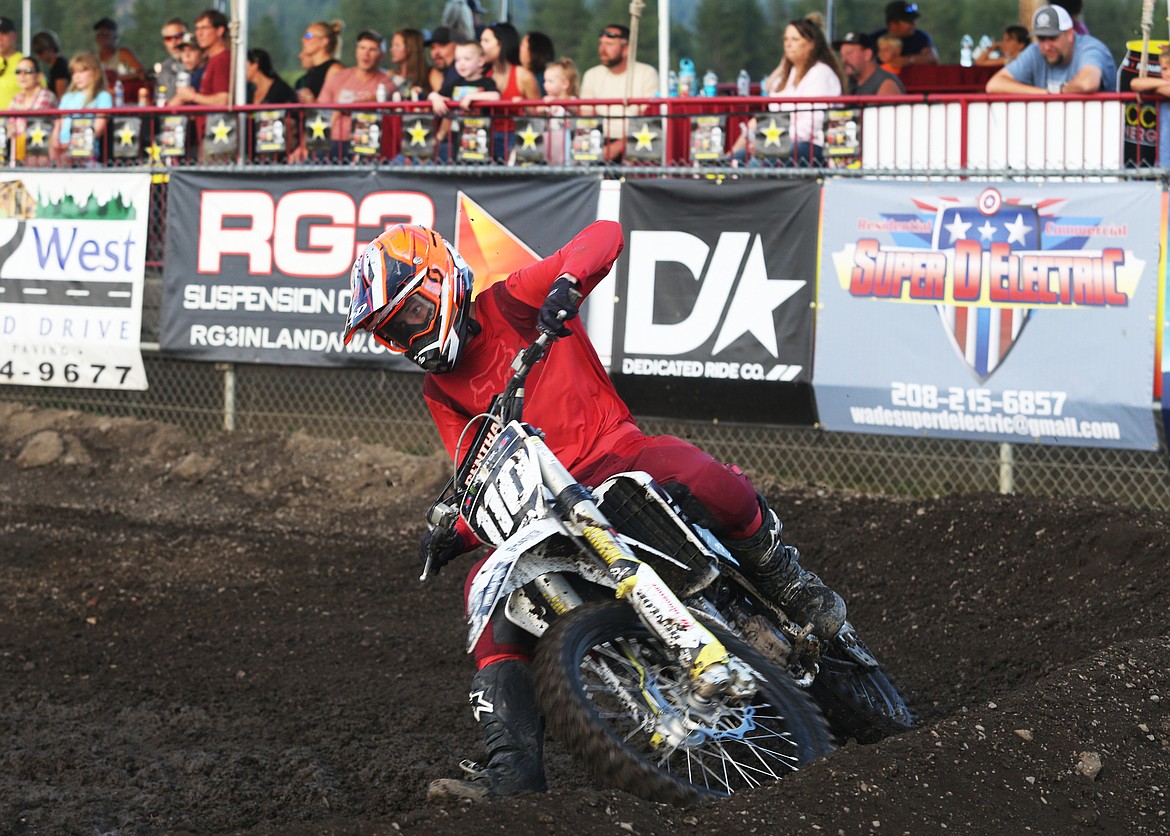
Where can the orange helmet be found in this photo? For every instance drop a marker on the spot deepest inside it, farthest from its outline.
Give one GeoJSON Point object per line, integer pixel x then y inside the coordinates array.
{"type": "Point", "coordinates": [411, 290]}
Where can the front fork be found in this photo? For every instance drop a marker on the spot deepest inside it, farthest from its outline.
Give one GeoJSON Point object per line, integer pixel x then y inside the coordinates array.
{"type": "Point", "coordinates": [712, 669]}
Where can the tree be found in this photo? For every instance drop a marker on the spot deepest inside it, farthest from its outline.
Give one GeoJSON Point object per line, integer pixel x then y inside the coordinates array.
{"type": "Point", "coordinates": [729, 38]}
{"type": "Point", "coordinates": [564, 21]}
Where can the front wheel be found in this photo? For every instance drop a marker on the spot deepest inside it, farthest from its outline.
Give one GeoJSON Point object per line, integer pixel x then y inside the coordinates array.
{"type": "Point", "coordinates": [855, 695]}
{"type": "Point", "coordinates": [614, 695]}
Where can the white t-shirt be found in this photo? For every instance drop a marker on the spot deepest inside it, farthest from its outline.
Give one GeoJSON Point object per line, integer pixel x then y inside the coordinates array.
{"type": "Point", "coordinates": [819, 82]}
{"type": "Point", "coordinates": [600, 83]}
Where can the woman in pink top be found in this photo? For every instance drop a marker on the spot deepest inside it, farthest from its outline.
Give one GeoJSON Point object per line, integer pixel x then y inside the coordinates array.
{"type": "Point", "coordinates": [808, 70]}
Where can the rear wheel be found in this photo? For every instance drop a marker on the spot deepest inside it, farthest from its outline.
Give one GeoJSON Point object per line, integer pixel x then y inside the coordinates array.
{"type": "Point", "coordinates": [615, 697]}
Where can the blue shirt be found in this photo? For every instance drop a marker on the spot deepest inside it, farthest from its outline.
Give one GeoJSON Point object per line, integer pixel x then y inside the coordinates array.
{"type": "Point", "coordinates": [1029, 67]}
{"type": "Point", "coordinates": [915, 43]}
{"type": "Point", "coordinates": [75, 100]}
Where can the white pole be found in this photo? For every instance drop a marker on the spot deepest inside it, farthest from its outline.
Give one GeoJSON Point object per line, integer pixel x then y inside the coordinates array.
{"type": "Point", "coordinates": [26, 28]}
{"type": "Point", "coordinates": [663, 46]}
{"type": "Point", "coordinates": [240, 56]}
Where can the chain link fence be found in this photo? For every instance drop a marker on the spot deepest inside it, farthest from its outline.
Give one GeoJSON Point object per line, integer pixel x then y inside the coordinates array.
{"type": "Point", "coordinates": [387, 408]}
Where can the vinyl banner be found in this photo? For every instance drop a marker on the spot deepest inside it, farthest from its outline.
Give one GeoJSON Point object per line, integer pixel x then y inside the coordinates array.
{"type": "Point", "coordinates": [257, 266]}
{"type": "Point", "coordinates": [715, 288]}
{"type": "Point", "coordinates": [72, 259]}
{"type": "Point", "coordinates": [1014, 312]}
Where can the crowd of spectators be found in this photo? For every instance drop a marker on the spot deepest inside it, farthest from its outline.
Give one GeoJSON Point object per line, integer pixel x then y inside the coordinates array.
{"type": "Point", "coordinates": [462, 67]}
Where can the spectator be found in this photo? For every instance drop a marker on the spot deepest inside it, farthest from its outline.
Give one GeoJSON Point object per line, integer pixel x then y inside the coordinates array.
{"type": "Point", "coordinates": [1060, 60]}
{"type": "Point", "coordinates": [889, 51]}
{"type": "Point", "coordinates": [1005, 50]}
{"type": "Point", "coordinates": [469, 85]}
{"type": "Point", "coordinates": [902, 22]}
{"type": "Point", "coordinates": [191, 67]}
{"type": "Point", "coordinates": [1161, 87]}
{"type": "Point", "coordinates": [1075, 8]}
{"type": "Point", "coordinates": [30, 96]}
{"type": "Point", "coordinates": [266, 86]}
{"type": "Point", "coordinates": [355, 84]}
{"type": "Point", "coordinates": [215, 84]}
{"type": "Point", "coordinates": [119, 62]}
{"type": "Point", "coordinates": [8, 60]}
{"type": "Point", "coordinates": [442, 46]}
{"type": "Point", "coordinates": [46, 46]}
{"type": "Point", "coordinates": [166, 77]}
{"type": "Point", "coordinates": [409, 73]}
{"type": "Point", "coordinates": [809, 69]}
{"type": "Point", "coordinates": [461, 18]}
{"type": "Point", "coordinates": [501, 52]}
{"type": "Point", "coordinates": [608, 81]}
{"type": "Point", "coordinates": [318, 56]}
{"type": "Point", "coordinates": [865, 77]}
{"type": "Point", "coordinates": [560, 82]}
{"type": "Point", "coordinates": [536, 50]}
{"type": "Point", "coordinates": [87, 88]}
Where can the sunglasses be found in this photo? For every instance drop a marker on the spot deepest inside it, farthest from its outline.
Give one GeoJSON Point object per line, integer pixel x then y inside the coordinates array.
{"type": "Point", "coordinates": [308, 36]}
{"type": "Point", "coordinates": [611, 33]}
{"type": "Point", "coordinates": [25, 71]}
{"type": "Point", "coordinates": [172, 37]}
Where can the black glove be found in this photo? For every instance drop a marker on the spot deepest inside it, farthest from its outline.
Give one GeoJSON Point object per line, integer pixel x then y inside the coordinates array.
{"type": "Point", "coordinates": [442, 546]}
{"type": "Point", "coordinates": [559, 307]}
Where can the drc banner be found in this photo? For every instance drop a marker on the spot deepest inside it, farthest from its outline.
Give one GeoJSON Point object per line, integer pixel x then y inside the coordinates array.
{"type": "Point", "coordinates": [714, 290]}
{"type": "Point", "coordinates": [1013, 312]}
{"type": "Point", "coordinates": [72, 260]}
{"type": "Point", "coordinates": [257, 266]}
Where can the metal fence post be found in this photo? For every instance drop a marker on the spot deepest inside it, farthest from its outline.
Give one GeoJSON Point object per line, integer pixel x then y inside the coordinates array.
{"type": "Point", "coordinates": [229, 395]}
{"type": "Point", "coordinates": [1007, 474]}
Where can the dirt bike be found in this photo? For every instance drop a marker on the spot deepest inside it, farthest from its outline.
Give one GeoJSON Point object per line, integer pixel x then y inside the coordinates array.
{"type": "Point", "coordinates": [659, 665]}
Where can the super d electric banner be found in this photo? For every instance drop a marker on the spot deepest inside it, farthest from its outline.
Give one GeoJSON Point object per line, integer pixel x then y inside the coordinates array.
{"type": "Point", "coordinates": [1020, 313]}
{"type": "Point", "coordinates": [257, 267]}
{"type": "Point", "coordinates": [714, 291]}
{"type": "Point", "coordinates": [72, 257]}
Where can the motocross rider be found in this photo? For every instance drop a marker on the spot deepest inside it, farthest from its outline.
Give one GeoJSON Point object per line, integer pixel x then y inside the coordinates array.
{"type": "Point", "coordinates": [413, 293]}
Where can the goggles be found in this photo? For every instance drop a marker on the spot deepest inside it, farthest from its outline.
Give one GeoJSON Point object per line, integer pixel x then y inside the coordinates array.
{"type": "Point", "coordinates": [412, 318]}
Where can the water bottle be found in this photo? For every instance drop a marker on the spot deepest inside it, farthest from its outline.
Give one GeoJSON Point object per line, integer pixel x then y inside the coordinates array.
{"type": "Point", "coordinates": [764, 86]}
{"type": "Point", "coordinates": [672, 84]}
{"type": "Point", "coordinates": [381, 94]}
{"type": "Point", "coordinates": [182, 79]}
{"type": "Point", "coordinates": [710, 83]}
{"type": "Point", "coordinates": [119, 93]}
{"type": "Point", "coordinates": [160, 96]}
{"type": "Point", "coordinates": [982, 47]}
{"type": "Point", "coordinates": [743, 84]}
{"type": "Point", "coordinates": [686, 77]}
{"type": "Point", "coordinates": [966, 45]}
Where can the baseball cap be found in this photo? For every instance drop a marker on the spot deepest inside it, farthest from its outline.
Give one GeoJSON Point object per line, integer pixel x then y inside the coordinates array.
{"type": "Point", "coordinates": [1050, 21]}
{"type": "Point", "coordinates": [6, 25]}
{"type": "Point", "coordinates": [859, 38]}
{"type": "Point", "coordinates": [188, 39]}
{"type": "Point", "coordinates": [900, 10]}
{"type": "Point", "coordinates": [616, 30]}
{"type": "Point", "coordinates": [441, 36]}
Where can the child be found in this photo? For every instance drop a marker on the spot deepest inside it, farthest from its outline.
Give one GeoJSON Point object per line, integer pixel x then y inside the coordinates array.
{"type": "Point", "coordinates": [560, 82]}
{"type": "Point", "coordinates": [889, 50]}
{"type": "Point", "coordinates": [470, 86]}
{"type": "Point", "coordinates": [1159, 85]}
{"type": "Point", "coordinates": [192, 58]}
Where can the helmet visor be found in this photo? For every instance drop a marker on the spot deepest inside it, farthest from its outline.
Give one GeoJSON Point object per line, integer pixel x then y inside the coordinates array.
{"type": "Point", "coordinates": [414, 317]}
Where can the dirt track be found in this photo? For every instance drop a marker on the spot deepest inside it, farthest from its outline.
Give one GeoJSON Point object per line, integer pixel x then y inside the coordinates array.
{"type": "Point", "coordinates": [230, 636]}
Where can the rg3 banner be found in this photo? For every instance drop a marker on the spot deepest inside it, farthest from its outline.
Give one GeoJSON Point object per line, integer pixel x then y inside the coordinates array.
{"type": "Point", "coordinates": [257, 266]}
{"type": "Point", "coordinates": [1020, 313]}
{"type": "Point", "coordinates": [72, 260]}
{"type": "Point", "coordinates": [715, 287]}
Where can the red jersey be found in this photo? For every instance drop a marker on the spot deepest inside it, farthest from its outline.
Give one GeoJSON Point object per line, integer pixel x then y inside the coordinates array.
{"type": "Point", "coordinates": [568, 394]}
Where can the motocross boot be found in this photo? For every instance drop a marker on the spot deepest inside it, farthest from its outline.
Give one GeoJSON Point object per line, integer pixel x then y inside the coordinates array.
{"type": "Point", "coordinates": [504, 702]}
{"type": "Point", "coordinates": [776, 571]}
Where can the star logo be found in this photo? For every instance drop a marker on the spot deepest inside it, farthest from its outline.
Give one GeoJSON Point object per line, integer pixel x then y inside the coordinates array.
{"type": "Point", "coordinates": [756, 297]}
{"type": "Point", "coordinates": [958, 228]}
{"type": "Point", "coordinates": [418, 133]}
{"type": "Point", "coordinates": [644, 138]}
{"type": "Point", "coordinates": [479, 236]}
{"type": "Point", "coordinates": [221, 131]}
{"type": "Point", "coordinates": [987, 231]}
{"type": "Point", "coordinates": [127, 135]}
{"type": "Point", "coordinates": [1017, 229]}
{"type": "Point", "coordinates": [317, 127]}
{"type": "Point", "coordinates": [772, 132]}
{"type": "Point", "coordinates": [528, 137]}
{"type": "Point", "coordinates": [37, 134]}
{"type": "Point", "coordinates": [154, 153]}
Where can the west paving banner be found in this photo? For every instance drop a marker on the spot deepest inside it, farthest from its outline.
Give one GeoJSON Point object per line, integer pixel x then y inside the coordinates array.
{"type": "Point", "coordinates": [72, 258]}
{"type": "Point", "coordinates": [715, 288]}
{"type": "Point", "coordinates": [257, 267]}
{"type": "Point", "coordinates": [1021, 313]}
